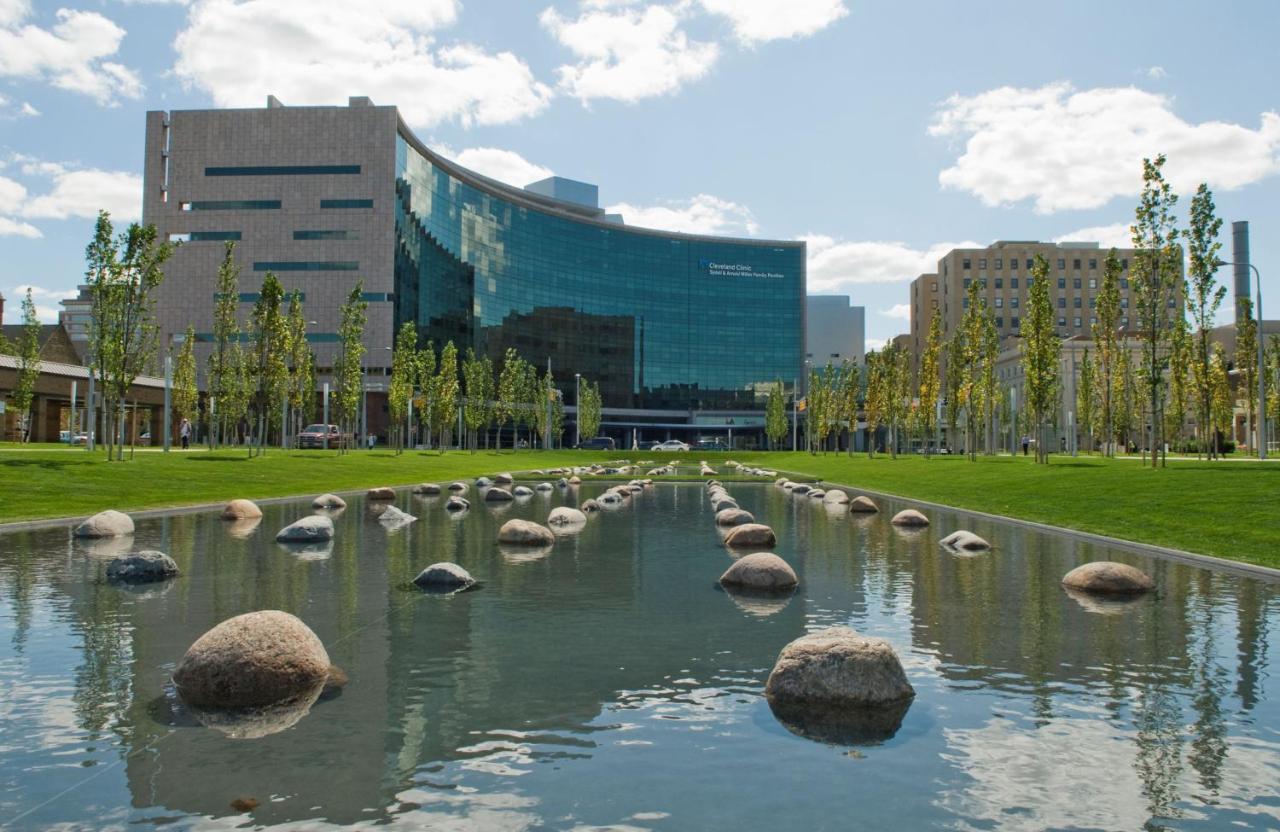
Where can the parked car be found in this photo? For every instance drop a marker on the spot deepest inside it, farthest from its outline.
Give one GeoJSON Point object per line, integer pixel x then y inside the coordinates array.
{"type": "Point", "coordinates": [313, 436]}
{"type": "Point", "coordinates": [713, 444]}
{"type": "Point", "coordinates": [597, 443]}
{"type": "Point", "coordinates": [670, 445]}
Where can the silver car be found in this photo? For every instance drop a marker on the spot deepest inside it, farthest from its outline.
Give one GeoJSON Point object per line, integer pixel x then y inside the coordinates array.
{"type": "Point", "coordinates": [670, 445]}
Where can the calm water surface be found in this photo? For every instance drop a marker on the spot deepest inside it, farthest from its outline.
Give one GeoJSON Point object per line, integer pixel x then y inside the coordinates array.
{"type": "Point", "coordinates": [611, 683]}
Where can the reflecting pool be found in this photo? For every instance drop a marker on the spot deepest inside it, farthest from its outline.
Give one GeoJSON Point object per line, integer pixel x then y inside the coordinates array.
{"type": "Point", "coordinates": [609, 682]}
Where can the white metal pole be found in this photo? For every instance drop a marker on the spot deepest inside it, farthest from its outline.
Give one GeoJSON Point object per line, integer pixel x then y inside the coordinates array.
{"type": "Point", "coordinates": [326, 415]}
{"type": "Point", "coordinates": [577, 421]}
{"type": "Point", "coordinates": [168, 397]}
{"type": "Point", "coordinates": [795, 414]}
{"type": "Point", "coordinates": [72, 425]}
{"type": "Point", "coordinates": [1261, 426]}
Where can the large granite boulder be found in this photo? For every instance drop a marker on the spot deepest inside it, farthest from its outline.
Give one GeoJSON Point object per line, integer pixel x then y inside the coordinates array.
{"type": "Point", "coordinates": [522, 491]}
{"type": "Point", "coordinates": [863, 504]}
{"type": "Point", "coordinates": [566, 516]}
{"type": "Point", "coordinates": [107, 523]}
{"type": "Point", "coordinates": [428, 488]}
{"type": "Point", "coordinates": [836, 497]}
{"type": "Point", "coordinates": [457, 504]}
{"type": "Point", "coordinates": [329, 501]}
{"type": "Point", "coordinates": [751, 535]}
{"type": "Point", "coordinates": [589, 505]}
{"type": "Point", "coordinates": [910, 518]}
{"type": "Point", "coordinates": [382, 493]}
{"type": "Point", "coordinates": [965, 541]}
{"type": "Point", "coordinates": [761, 571]}
{"type": "Point", "coordinates": [543, 486]}
{"type": "Point", "coordinates": [575, 480]}
{"type": "Point", "coordinates": [525, 533]}
{"type": "Point", "coordinates": [483, 482]}
{"type": "Point", "coordinates": [800, 488]}
{"type": "Point", "coordinates": [1106, 577]}
{"type": "Point", "coordinates": [252, 660]}
{"type": "Point", "coordinates": [458, 487]}
{"type": "Point", "coordinates": [447, 577]}
{"type": "Point", "coordinates": [733, 517]}
{"type": "Point", "coordinates": [241, 510]}
{"type": "Point", "coordinates": [838, 667]}
{"type": "Point", "coordinates": [141, 568]}
{"type": "Point", "coordinates": [498, 495]}
{"type": "Point", "coordinates": [503, 479]}
{"type": "Point", "coordinates": [307, 530]}
{"type": "Point", "coordinates": [394, 518]}
{"type": "Point", "coordinates": [817, 494]}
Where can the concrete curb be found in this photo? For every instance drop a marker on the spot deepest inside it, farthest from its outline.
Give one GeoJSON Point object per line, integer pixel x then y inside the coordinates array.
{"type": "Point", "coordinates": [1249, 570]}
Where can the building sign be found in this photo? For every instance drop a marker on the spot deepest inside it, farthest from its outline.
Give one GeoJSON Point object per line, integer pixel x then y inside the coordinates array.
{"type": "Point", "coordinates": [717, 269]}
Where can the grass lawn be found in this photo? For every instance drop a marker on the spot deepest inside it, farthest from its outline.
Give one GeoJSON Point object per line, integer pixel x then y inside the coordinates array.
{"type": "Point", "coordinates": [1226, 509]}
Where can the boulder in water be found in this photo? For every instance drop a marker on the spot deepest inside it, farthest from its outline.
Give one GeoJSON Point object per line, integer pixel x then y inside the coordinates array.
{"type": "Point", "coordinates": [760, 571]}
{"type": "Point", "coordinates": [329, 501]}
{"type": "Point", "coordinates": [141, 568]}
{"type": "Point", "coordinates": [835, 497]}
{"type": "Point", "coordinates": [838, 667]}
{"type": "Point", "coordinates": [1106, 577]}
{"type": "Point", "coordinates": [498, 495]}
{"type": "Point", "coordinates": [751, 535]}
{"type": "Point", "coordinates": [525, 533]}
{"type": "Point", "coordinates": [307, 530]}
{"type": "Point", "coordinates": [445, 576]}
{"type": "Point", "coordinates": [863, 505]}
{"type": "Point", "coordinates": [241, 510]}
{"type": "Point", "coordinates": [965, 541]}
{"type": "Point", "coordinates": [381, 493]}
{"type": "Point", "coordinates": [457, 504]}
{"type": "Point", "coordinates": [109, 523]}
{"type": "Point", "coordinates": [733, 517]}
{"type": "Point", "coordinates": [910, 518]}
{"type": "Point", "coordinates": [566, 516]}
{"type": "Point", "coordinates": [428, 488]}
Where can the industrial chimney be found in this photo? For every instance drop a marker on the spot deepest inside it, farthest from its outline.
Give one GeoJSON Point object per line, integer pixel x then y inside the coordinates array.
{"type": "Point", "coordinates": [1240, 257]}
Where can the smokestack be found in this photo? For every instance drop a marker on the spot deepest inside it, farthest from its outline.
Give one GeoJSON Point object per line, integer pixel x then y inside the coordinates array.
{"type": "Point", "coordinates": [1240, 256]}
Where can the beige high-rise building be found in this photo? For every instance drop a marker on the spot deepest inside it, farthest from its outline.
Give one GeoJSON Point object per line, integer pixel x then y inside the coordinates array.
{"type": "Point", "coordinates": [1075, 274]}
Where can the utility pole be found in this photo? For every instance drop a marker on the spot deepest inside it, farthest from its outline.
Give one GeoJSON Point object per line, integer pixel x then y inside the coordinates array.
{"type": "Point", "coordinates": [326, 415]}
{"type": "Point", "coordinates": [168, 397]}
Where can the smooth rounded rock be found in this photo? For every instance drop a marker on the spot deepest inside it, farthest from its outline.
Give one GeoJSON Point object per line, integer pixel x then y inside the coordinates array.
{"type": "Point", "coordinates": [522, 491]}
{"type": "Point", "coordinates": [967, 541]}
{"type": "Point", "coordinates": [575, 480]}
{"type": "Point", "coordinates": [498, 495]}
{"type": "Point", "coordinates": [1106, 577]}
{"type": "Point", "coordinates": [308, 529]}
{"type": "Point", "coordinates": [143, 567]}
{"type": "Point", "coordinates": [394, 518]}
{"type": "Point", "coordinates": [734, 516]}
{"type": "Point", "coordinates": [835, 497]}
{"type": "Point", "coordinates": [542, 486]}
{"type": "Point", "coordinates": [109, 523]}
{"type": "Point", "coordinates": [483, 482]}
{"type": "Point", "coordinates": [817, 494]}
{"type": "Point", "coordinates": [863, 505]}
{"type": "Point", "coordinates": [503, 479]}
{"type": "Point", "coordinates": [428, 488]}
{"type": "Point", "coordinates": [457, 504]}
{"type": "Point", "coordinates": [241, 510]}
{"type": "Point", "coordinates": [909, 518]}
{"type": "Point", "coordinates": [330, 501]}
{"type": "Point", "coordinates": [751, 534]}
{"type": "Point", "coordinates": [252, 660]}
{"type": "Point", "coordinates": [760, 571]}
{"type": "Point", "coordinates": [589, 505]}
{"type": "Point", "coordinates": [444, 576]}
{"type": "Point", "coordinates": [800, 488]}
{"type": "Point", "coordinates": [525, 533]}
{"type": "Point", "coordinates": [566, 516]}
{"type": "Point", "coordinates": [382, 493]}
{"type": "Point", "coordinates": [458, 487]}
{"type": "Point", "coordinates": [838, 667]}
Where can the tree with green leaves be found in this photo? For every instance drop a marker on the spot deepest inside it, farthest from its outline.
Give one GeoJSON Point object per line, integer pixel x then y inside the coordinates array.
{"type": "Point", "coordinates": [1087, 399]}
{"type": "Point", "coordinates": [1272, 362]}
{"type": "Point", "coordinates": [477, 375]}
{"type": "Point", "coordinates": [404, 375]}
{"type": "Point", "coordinates": [954, 375]}
{"type": "Point", "coordinates": [897, 394]}
{"type": "Point", "coordinates": [1107, 344]}
{"type": "Point", "coordinates": [1203, 297]}
{"type": "Point", "coordinates": [1246, 361]}
{"type": "Point", "coordinates": [542, 409]}
{"type": "Point", "coordinates": [186, 392]}
{"type": "Point", "coordinates": [1222, 412]}
{"type": "Point", "coordinates": [527, 400]}
{"type": "Point", "coordinates": [848, 400]}
{"type": "Point", "coordinates": [775, 415]}
{"type": "Point", "coordinates": [875, 403]}
{"type": "Point", "coordinates": [590, 408]}
{"type": "Point", "coordinates": [28, 366]}
{"type": "Point", "coordinates": [226, 337]}
{"type": "Point", "coordinates": [444, 391]}
{"type": "Point", "coordinates": [123, 276]}
{"type": "Point", "coordinates": [557, 419]}
{"type": "Point", "coordinates": [1040, 357]}
{"type": "Point", "coordinates": [302, 365]}
{"type": "Point", "coordinates": [930, 387]}
{"type": "Point", "coordinates": [426, 403]}
{"type": "Point", "coordinates": [979, 345]}
{"type": "Point", "coordinates": [1124, 398]}
{"type": "Point", "coordinates": [348, 367]}
{"type": "Point", "coordinates": [269, 337]}
{"type": "Point", "coordinates": [821, 406]}
{"type": "Point", "coordinates": [1179, 398]}
{"type": "Point", "coordinates": [1154, 280]}
{"type": "Point", "coordinates": [509, 392]}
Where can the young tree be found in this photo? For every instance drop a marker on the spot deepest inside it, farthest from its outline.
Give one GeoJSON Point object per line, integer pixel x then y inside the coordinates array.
{"type": "Point", "coordinates": [1040, 356]}
{"type": "Point", "coordinates": [426, 403]}
{"type": "Point", "coordinates": [1124, 397]}
{"type": "Point", "coordinates": [1247, 365]}
{"type": "Point", "coordinates": [28, 366]}
{"type": "Point", "coordinates": [848, 398]}
{"type": "Point", "coordinates": [875, 404]}
{"type": "Point", "coordinates": [509, 392]}
{"type": "Point", "coordinates": [1157, 263]}
{"type": "Point", "coordinates": [589, 410]}
{"type": "Point", "coordinates": [1203, 297]}
{"type": "Point", "coordinates": [979, 346]}
{"type": "Point", "coordinates": [348, 368]}
{"type": "Point", "coordinates": [1221, 413]}
{"type": "Point", "coordinates": [954, 376]}
{"type": "Point", "coordinates": [557, 419]}
{"type": "Point", "coordinates": [226, 337]}
{"type": "Point", "coordinates": [527, 399]}
{"type": "Point", "coordinates": [1180, 357]}
{"type": "Point", "coordinates": [445, 392]}
{"type": "Point", "coordinates": [302, 365]}
{"type": "Point", "coordinates": [477, 375]}
{"type": "Point", "coordinates": [897, 380]}
{"type": "Point", "coordinates": [1106, 337]}
{"type": "Point", "coordinates": [404, 371]}
{"type": "Point", "coordinates": [930, 382]}
{"type": "Point", "coordinates": [186, 393]}
{"type": "Point", "coordinates": [775, 415]}
{"type": "Point", "coordinates": [269, 336]}
{"type": "Point", "coordinates": [1086, 399]}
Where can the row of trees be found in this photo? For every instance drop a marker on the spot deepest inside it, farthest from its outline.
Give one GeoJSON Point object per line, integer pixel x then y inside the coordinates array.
{"type": "Point", "coordinates": [27, 351]}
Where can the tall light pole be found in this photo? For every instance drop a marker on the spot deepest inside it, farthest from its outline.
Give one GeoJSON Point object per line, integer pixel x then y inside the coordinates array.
{"type": "Point", "coordinates": [1261, 426]}
{"type": "Point", "coordinates": [577, 420]}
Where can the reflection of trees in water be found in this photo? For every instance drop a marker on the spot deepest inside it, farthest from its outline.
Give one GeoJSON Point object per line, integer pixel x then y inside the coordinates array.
{"type": "Point", "coordinates": [1209, 746]}
{"type": "Point", "coordinates": [18, 574]}
{"type": "Point", "coordinates": [1253, 602]}
{"type": "Point", "coordinates": [103, 678]}
{"type": "Point", "coordinates": [1158, 761]}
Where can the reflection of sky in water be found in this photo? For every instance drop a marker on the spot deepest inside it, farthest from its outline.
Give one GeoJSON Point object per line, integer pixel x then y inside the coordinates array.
{"type": "Point", "coordinates": [607, 682]}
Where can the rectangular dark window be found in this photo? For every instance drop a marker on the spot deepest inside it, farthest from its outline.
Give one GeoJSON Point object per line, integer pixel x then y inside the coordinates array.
{"type": "Point", "coordinates": [965, 264]}
{"type": "Point", "coordinates": [1014, 321]}
{"type": "Point", "coordinates": [252, 297]}
{"type": "Point", "coordinates": [203, 236]}
{"type": "Point", "coordinates": [999, 281]}
{"type": "Point", "coordinates": [1075, 264]}
{"type": "Point", "coordinates": [1030, 262]}
{"type": "Point", "coordinates": [982, 263]}
{"type": "Point", "coordinates": [325, 235]}
{"type": "Point", "coordinates": [1076, 303]}
{"type": "Point", "coordinates": [1062, 303]}
{"type": "Point", "coordinates": [1062, 263]}
{"type": "Point", "coordinates": [1124, 283]}
{"type": "Point", "coordinates": [306, 266]}
{"type": "Point", "coordinates": [232, 205]}
{"type": "Point", "coordinates": [966, 283]}
{"type": "Point", "coordinates": [1062, 283]}
{"type": "Point", "coordinates": [999, 303]}
{"type": "Point", "coordinates": [346, 203]}
{"type": "Point", "coordinates": [1013, 302]}
{"type": "Point", "coordinates": [1093, 264]}
{"type": "Point", "coordinates": [378, 297]}
{"type": "Point", "coordinates": [1000, 322]}
{"type": "Point", "coordinates": [1124, 303]}
{"type": "Point", "coordinates": [999, 264]}
{"type": "Point", "coordinates": [1013, 283]}
{"type": "Point", "coordinates": [1124, 264]}
{"type": "Point", "coordinates": [1075, 283]}
{"type": "Point", "coordinates": [280, 170]}
{"type": "Point", "coordinates": [1077, 322]}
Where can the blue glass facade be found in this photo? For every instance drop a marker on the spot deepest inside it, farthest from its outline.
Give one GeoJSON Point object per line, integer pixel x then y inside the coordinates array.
{"type": "Point", "coordinates": [660, 321]}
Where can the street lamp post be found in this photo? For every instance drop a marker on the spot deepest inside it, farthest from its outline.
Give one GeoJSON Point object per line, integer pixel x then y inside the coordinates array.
{"type": "Point", "coordinates": [1261, 426]}
{"type": "Point", "coordinates": [577, 421]}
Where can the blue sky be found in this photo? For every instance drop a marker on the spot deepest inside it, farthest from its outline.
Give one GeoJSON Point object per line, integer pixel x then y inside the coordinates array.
{"type": "Point", "coordinates": [884, 133]}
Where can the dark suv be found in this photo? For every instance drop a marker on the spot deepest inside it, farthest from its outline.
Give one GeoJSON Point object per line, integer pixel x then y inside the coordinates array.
{"type": "Point", "coordinates": [597, 443]}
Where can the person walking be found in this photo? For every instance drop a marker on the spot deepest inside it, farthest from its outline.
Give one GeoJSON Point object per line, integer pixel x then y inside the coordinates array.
{"type": "Point", "coordinates": [184, 430]}
{"type": "Point", "coordinates": [1026, 442]}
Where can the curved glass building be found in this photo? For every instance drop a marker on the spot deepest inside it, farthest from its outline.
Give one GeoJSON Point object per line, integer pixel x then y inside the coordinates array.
{"type": "Point", "coordinates": [679, 330]}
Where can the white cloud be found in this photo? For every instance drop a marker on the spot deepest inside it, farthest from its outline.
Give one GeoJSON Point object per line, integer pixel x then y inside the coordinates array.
{"type": "Point", "coordinates": [1155, 73]}
{"type": "Point", "coordinates": [835, 266]}
{"type": "Point", "coordinates": [1108, 236]}
{"type": "Point", "coordinates": [898, 310]}
{"type": "Point", "coordinates": [81, 193]}
{"type": "Point", "coordinates": [27, 110]}
{"type": "Point", "coordinates": [876, 343]}
{"type": "Point", "coordinates": [72, 55]}
{"type": "Point", "coordinates": [16, 228]}
{"type": "Point", "coordinates": [504, 165]}
{"type": "Point", "coordinates": [322, 51]}
{"type": "Point", "coordinates": [1068, 149]}
{"type": "Point", "coordinates": [44, 300]}
{"type": "Point", "coordinates": [756, 21]}
{"type": "Point", "coordinates": [628, 54]}
{"type": "Point", "coordinates": [703, 214]}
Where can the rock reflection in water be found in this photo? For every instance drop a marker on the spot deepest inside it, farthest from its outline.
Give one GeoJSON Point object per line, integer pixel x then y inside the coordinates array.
{"type": "Point", "coordinates": [842, 726]}
{"type": "Point", "coordinates": [759, 603]}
